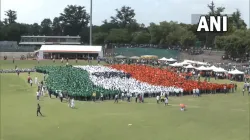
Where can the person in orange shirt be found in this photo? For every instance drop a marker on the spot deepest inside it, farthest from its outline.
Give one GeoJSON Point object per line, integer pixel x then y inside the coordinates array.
{"type": "Point", "coordinates": [182, 106]}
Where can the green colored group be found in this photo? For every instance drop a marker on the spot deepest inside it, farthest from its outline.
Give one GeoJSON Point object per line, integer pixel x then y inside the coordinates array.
{"type": "Point", "coordinates": [72, 81]}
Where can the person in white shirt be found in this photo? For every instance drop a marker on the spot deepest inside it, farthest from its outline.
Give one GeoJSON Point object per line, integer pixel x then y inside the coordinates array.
{"type": "Point", "coordinates": [101, 97]}
{"type": "Point", "coordinates": [194, 92]}
{"type": "Point", "coordinates": [181, 90]}
{"type": "Point", "coordinates": [166, 100]}
{"type": "Point", "coordinates": [61, 96]}
{"type": "Point", "coordinates": [197, 91]}
{"type": "Point", "coordinates": [72, 104]}
{"type": "Point", "coordinates": [42, 91]}
{"type": "Point", "coordinates": [116, 98]}
{"type": "Point", "coordinates": [157, 99]}
{"type": "Point", "coordinates": [37, 95]}
{"type": "Point", "coordinates": [36, 80]}
{"type": "Point", "coordinates": [122, 96]}
{"type": "Point", "coordinates": [31, 82]}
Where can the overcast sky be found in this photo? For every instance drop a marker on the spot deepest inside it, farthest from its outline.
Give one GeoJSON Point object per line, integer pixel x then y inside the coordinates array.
{"type": "Point", "coordinates": [30, 11]}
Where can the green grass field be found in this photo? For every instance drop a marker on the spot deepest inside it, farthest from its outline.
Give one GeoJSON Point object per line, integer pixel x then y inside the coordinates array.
{"type": "Point", "coordinates": [210, 117]}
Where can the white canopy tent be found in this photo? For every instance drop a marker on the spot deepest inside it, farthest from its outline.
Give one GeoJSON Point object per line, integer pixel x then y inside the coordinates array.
{"type": "Point", "coordinates": [220, 70]}
{"type": "Point", "coordinates": [171, 60]}
{"type": "Point", "coordinates": [189, 67]}
{"type": "Point", "coordinates": [163, 59]}
{"type": "Point", "coordinates": [213, 68]}
{"type": "Point", "coordinates": [184, 63]}
{"type": "Point", "coordinates": [195, 62]}
{"type": "Point", "coordinates": [202, 68]}
{"type": "Point", "coordinates": [235, 72]}
{"type": "Point", "coordinates": [176, 64]}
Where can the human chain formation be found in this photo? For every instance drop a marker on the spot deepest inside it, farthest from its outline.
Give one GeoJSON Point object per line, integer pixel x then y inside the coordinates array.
{"type": "Point", "coordinates": [124, 84]}
{"type": "Point", "coordinates": [168, 78]}
{"type": "Point", "coordinates": [82, 82]}
{"type": "Point", "coordinates": [17, 70]}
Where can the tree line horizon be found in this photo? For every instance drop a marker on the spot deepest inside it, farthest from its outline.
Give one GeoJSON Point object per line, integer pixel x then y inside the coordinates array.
{"type": "Point", "coordinates": [123, 28]}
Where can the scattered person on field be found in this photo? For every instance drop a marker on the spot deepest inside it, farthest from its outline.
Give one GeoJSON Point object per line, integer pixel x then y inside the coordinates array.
{"type": "Point", "coordinates": [28, 79]}
{"type": "Point", "coordinates": [38, 95]}
{"type": "Point", "coordinates": [61, 96]}
{"type": "Point", "coordinates": [36, 80]}
{"type": "Point", "coordinates": [31, 82]}
{"type": "Point", "coordinates": [157, 99]}
{"type": "Point", "coordinates": [194, 92]}
{"type": "Point", "coordinates": [54, 60]}
{"type": "Point", "coordinates": [76, 60]}
{"type": "Point", "coordinates": [72, 104]}
{"type": "Point", "coordinates": [94, 96]}
{"type": "Point", "coordinates": [197, 91]}
{"type": "Point", "coordinates": [116, 98]}
{"type": "Point", "coordinates": [243, 91]}
{"type": "Point", "coordinates": [182, 107]}
{"type": "Point", "coordinates": [166, 101]}
{"type": "Point", "coordinates": [62, 60]}
{"type": "Point", "coordinates": [122, 96]}
{"type": "Point", "coordinates": [49, 94]}
{"type": "Point", "coordinates": [136, 97]}
{"type": "Point", "coordinates": [225, 89]}
{"type": "Point", "coordinates": [101, 96]}
{"type": "Point", "coordinates": [69, 101]}
{"type": "Point", "coordinates": [38, 111]}
{"type": "Point", "coordinates": [162, 98]}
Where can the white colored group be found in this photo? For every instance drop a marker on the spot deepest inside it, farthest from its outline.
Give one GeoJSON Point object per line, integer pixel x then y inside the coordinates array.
{"type": "Point", "coordinates": [129, 85]}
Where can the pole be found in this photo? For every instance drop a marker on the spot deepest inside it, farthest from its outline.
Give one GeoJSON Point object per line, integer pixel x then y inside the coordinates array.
{"type": "Point", "coordinates": [0, 10]}
{"type": "Point", "coordinates": [90, 28]}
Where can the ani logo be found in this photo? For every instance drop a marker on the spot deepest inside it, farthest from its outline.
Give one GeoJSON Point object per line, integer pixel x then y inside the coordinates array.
{"type": "Point", "coordinates": [213, 24]}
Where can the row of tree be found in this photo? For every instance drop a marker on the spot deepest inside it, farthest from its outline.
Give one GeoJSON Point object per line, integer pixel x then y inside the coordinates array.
{"type": "Point", "coordinates": [123, 28]}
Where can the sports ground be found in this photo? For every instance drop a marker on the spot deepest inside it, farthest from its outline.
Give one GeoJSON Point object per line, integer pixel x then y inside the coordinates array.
{"type": "Point", "coordinates": [209, 117]}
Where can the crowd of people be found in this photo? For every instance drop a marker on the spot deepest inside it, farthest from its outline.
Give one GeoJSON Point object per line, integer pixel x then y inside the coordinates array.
{"type": "Point", "coordinates": [168, 78]}
{"type": "Point", "coordinates": [127, 85]}
{"type": "Point", "coordinates": [17, 70]}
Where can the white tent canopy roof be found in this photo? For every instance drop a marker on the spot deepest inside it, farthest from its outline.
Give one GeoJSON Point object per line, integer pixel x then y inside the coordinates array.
{"type": "Point", "coordinates": [220, 70]}
{"type": "Point", "coordinates": [163, 59]}
{"type": "Point", "coordinates": [195, 62]}
{"type": "Point", "coordinates": [213, 67]}
{"type": "Point", "coordinates": [176, 64]}
{"type": "Point", "coordinates": [70, 48]}
{"type": "Point", "coordinates": [235, 72]}
{"type": "Point", "coordinates": [171, 60]}
{"type": "Point", "coordinates": [189, 67]}
{"type": "Point", "coordinates": [203, 68]}
{"type": "Point", "coordinates": [184, 63]}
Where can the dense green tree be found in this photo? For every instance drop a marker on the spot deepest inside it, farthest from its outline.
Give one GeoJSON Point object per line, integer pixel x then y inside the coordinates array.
{"type": "Point", "coordinates": [118, 36]}
{"type": "Point", "coordinates": [11, 16]}
{"type": "Point", "coordinates": [124, 16]}
{"type": "Point", "coordinates": [74, 19]}
{"type": "Point", "coordinates": [141, 37]}
{"type": "Point", "coordinates": [35, 29]}
{"type": "Point", "coordinates": [99, 38]}
{"type": "Point", "coordinates": [56, 27]}
{"type": "Point", "coordinates": [46, 27]}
